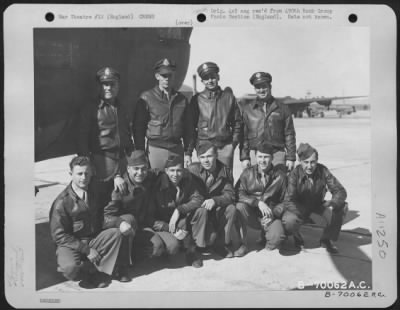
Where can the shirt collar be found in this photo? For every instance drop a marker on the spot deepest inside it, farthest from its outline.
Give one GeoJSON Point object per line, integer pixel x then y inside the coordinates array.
{"type": "Point", "coordinates": [269, 169]}
{"type": "Point", "coordinates": [260, 102]}
{"type": "Point", "coordinates": [78, 191]}
{"type": "Point", "coordinates": [104, 103]}
{"type": "Point", "coordinates": [211, 94]}
{"type": "Point", "coordinates": [304, 176]}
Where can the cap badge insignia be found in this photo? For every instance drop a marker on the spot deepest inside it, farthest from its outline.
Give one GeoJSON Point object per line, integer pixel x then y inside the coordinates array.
{"type": "Point", "coordinates": [166, 62]}
{"type": "Point", "coordinates": [107, 71]}
{"type": "Point", "coordinates": [258, 75]}
{"type": "Point", "coordinates": [205, 66]}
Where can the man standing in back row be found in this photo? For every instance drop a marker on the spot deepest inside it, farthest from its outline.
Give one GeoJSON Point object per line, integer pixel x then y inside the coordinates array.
{"type": "Point", "coordinates": [266, 119]}
{"type": "Point", "coordinates": [162, 117]}
{"type": "Point", "coordinates": [216, 116]}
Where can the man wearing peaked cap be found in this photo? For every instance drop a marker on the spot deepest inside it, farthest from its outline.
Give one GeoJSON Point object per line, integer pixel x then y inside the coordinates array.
{"type": "Point", "coordinates": [162, 117]}
{"type": "Point", "coordinates": [267, 119]}
{"type": "Point", "coordinates": [307, 186]}
{"type": "Point", "coordinates": [261, 190]}
{"type": "Point", "coordinates": [215, 115]}
{"type": "Point", "coordinates": [104, 135]}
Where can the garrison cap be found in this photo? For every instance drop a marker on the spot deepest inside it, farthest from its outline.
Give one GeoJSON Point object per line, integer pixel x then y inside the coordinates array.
{"type": "Point", "coordinates": [107, 74]}
{"type": "Point", "coordinates": [265, 148]}
{"type": "Point", "coordinates": [204, 146]}
{"type": "Point", "coordinates": [305, 151]}
{"type": "Point", "coordinates": [137, 158]}
{"type": "Point", "coordinates": [164, 66]}
{"type": "Point", "coordinates": [260, 77]}
{"type": "Point", "coordinates": [206, 68]}
{"type": "Point", "coordinates": [173, 160]}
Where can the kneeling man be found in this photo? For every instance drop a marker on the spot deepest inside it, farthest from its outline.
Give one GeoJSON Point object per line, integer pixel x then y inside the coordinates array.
{"type": "Point", "coordinates": [261, 190]}
{"type": "Point", "coordinates": [176, 212]}
{"type": "Point", "coordinates": [307, 185]}
{"type": "Point", "coordinates": [126, 211]}
{"type": "Point", "coordinates": [84, 250]}
{"type": "Point", "coordinates": [217, 182]}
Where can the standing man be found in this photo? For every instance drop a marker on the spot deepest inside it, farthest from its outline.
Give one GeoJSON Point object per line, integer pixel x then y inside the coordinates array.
{"type": "Point", "coordinates": [104, 135]}
{"type": "Point", "coordinates": [127, 211]}
{"type": "Point", "coordinates": [307, 186]}
{"type": "Point", "coordinates": [216, 115]}
{"type": "Point", "coordinates": [83, 249]}
{"type": "Point", "coordinates": [261, 190]}
{"type": "Point", "coordinates": [267, 119]}
{"type": "Point", "coordinates": [217, 182]}
{"type": "Point", "coordinates": [162, 117]}
{"type": "Point", "coordinates": [176, 212]}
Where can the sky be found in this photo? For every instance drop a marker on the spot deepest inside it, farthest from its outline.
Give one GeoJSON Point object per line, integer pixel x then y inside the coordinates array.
{"type": "Point", "coordinates": [326, 61]}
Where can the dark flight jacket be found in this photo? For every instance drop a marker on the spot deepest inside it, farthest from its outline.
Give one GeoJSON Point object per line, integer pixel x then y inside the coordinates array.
{"type": "Point", "coordinates": [105, 130]}
{"type": "Point", "coordinates": [164, 122]}
{"type": "Point", "coordinates": [72, 220]}
{"type": "Point", "coordinates": [135, 202]}
{"type": "Point", "coordinates": [306, 193]}
{"type": "Point", "coordinates": [251, 189]}
{"type": "Point", "coordinates": [216, 117]}
{"type": "Point", "coordinates": [275, 127]}
{"type": "Point", "coordinates": [222, 191]}
{"type": "Point", "coordinates": [164, 202]}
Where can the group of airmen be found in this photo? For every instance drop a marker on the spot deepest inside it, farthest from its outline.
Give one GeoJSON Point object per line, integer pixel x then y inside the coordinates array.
{"type": "Point", "coordinates": [135, 191]}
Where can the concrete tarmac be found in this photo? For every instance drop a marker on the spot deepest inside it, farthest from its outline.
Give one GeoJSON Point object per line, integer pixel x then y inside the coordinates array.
{"type": "Point", "coordinates": [344, 146]}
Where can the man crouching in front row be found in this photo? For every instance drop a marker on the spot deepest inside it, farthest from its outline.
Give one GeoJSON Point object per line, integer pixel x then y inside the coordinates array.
{"type": "Point", "coordinates": [175, 212]}
{"type": "Point", "coordinates": [84, 251]}
{"type": "Point", "coordinates": [261, 190]}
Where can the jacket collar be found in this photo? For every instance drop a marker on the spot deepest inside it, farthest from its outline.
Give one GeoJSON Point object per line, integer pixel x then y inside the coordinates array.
{"type": "Point", "coordinates": [103, 103]}
{"type": "Point", "coordinates": [316, 175]}
{"type": "Point", "coordinates": [258, 172]}
{"type": "Point", "coordinates": [219, 171]}
{"type": "Point", "coordinates": [260, 102]}
{"type": "Point", "coordinates": [161, 94]}
{"type": "Point", "coordinates": [212, 94]}
{"type": "Point", "coordinates": [165, 183]}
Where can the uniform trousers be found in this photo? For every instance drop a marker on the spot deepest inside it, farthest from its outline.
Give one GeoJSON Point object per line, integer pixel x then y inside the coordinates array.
{"type": "Point", "coordinates": [73, 264]}
{"type": "Point", "coordinates": [220, 222]}
{"type": "Point", "coordinates": [158, 156]}
{"type": "Point", "coordinates": [330, 218]}
{"type": "Point", "coordinates": [156, 243]}
{"type": "Point", "coordinates": [277, 230]}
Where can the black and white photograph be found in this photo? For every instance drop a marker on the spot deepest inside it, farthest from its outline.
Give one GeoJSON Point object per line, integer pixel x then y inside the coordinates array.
{"type": "Point", "coordinates": [235, 150]}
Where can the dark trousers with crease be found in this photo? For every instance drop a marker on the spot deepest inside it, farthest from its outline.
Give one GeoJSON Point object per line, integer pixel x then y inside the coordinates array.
{"type": "Point", "coordinates": [221, 221]}
{"type": "Point", "coordinates": [332, 219]}
{"type": "Point", "coordinates": [275, 233]}
{"type": "Point", "coordinates": [157, 243]}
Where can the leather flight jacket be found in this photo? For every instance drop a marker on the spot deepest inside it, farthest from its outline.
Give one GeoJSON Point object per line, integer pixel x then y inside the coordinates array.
{"type": "Point", "coordinates": [275, 126]}
{"type": "Point", "coordinates": [216, 117]}
{"type": "Point", "coordinates": [104, 129]}
{"type": "Point", "coordinates": [162, 120]}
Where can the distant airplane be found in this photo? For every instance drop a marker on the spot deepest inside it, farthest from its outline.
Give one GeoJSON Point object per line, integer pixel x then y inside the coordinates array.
{"type": "Point", "coordinates": [314, 106]}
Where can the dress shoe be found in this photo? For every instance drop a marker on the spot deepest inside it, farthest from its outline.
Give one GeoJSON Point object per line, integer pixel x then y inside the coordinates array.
{"type": "Point", "coordinates": [193, 259]}
{"type": "Point", "coordinates": [326, 243]}
{"type": "Point", "coordinates": [95, 280]}
{"type": "Point", "coordinates": [241, 251]}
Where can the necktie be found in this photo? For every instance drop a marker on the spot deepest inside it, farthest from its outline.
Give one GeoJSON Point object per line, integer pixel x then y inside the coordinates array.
{"type": "Point", "coordinates": [209, 180]}
{"type": "Point", "coordinates": [178, 194]}
{"type": "Point", "coordinates": [85, 197]}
